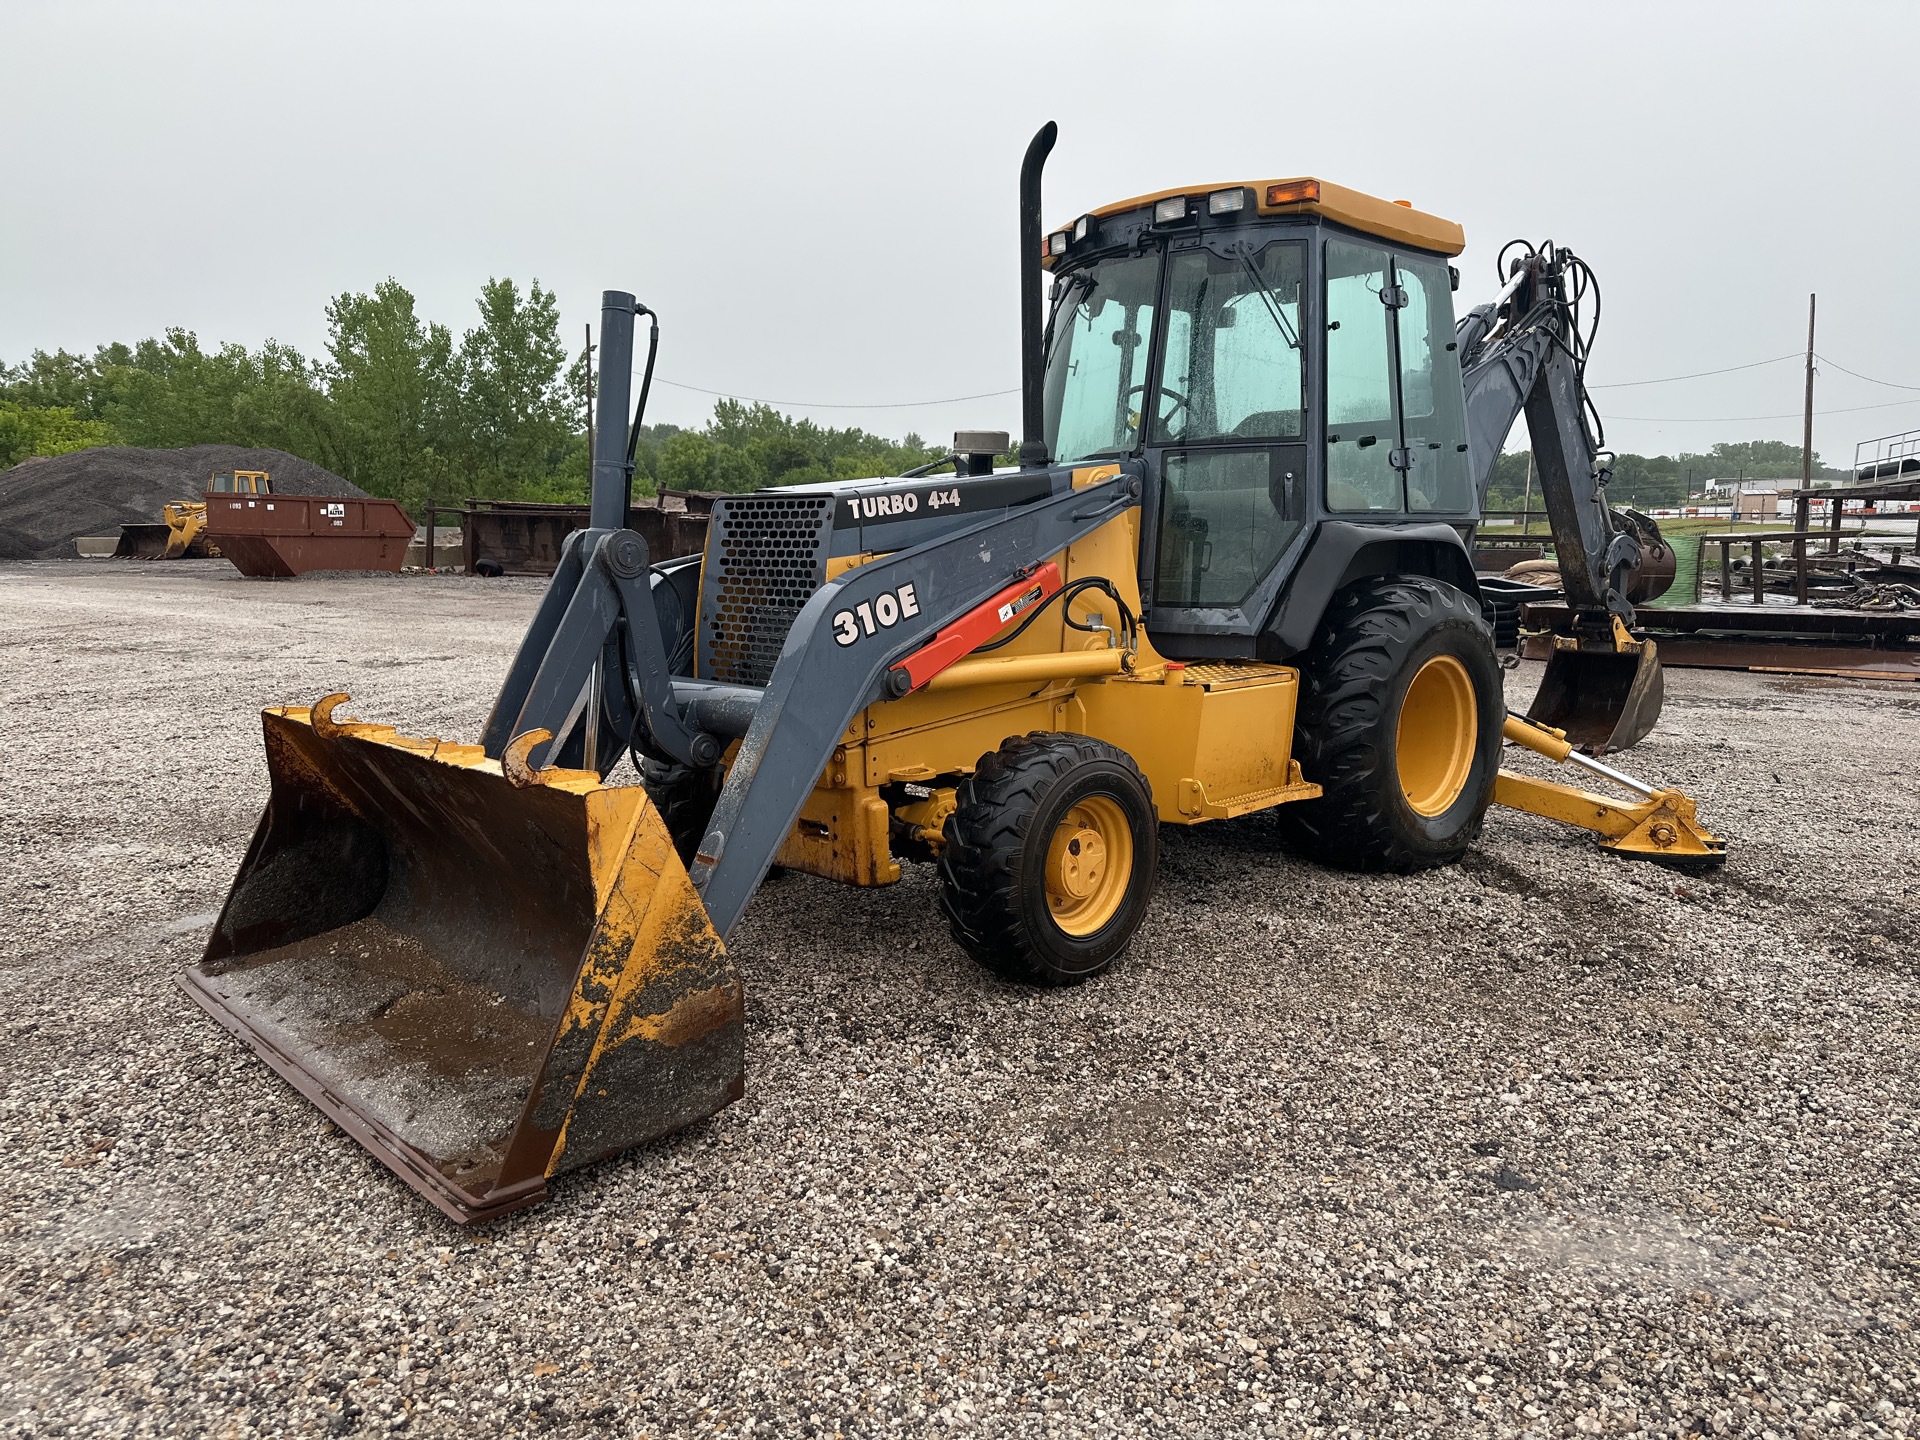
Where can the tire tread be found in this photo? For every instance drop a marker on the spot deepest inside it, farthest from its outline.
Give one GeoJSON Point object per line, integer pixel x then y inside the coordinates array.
{"type": "Point", "coordinates": [985, 836]}
{"type": "Point", "coordinates": [1341, 731]}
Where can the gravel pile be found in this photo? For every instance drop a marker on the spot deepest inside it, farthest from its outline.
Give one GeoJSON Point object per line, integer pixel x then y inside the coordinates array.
{"type": "Point", "coordinates": [1548, 1142]}
{"type": "Point", "coordinates": [45, 504]}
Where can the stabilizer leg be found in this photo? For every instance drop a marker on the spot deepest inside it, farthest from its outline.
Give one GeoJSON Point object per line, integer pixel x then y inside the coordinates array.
{"type": "Point", "coordinates": [1660, 824]}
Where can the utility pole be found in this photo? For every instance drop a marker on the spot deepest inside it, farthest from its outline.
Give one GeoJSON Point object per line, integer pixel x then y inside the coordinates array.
{"type": "Point", "coordinates": [589, 385]}
{"type": "Point", "coordinates": [1806, 435]}
{"type": "Point", "coordinates": [1526, 500]}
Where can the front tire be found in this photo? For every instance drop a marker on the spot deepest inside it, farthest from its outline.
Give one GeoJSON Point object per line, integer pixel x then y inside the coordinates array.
{"type": "Point", "coordinates": [685, 797]}
{"type": "Point", "coordinates": [1400, 718]}
{"type": "Point", "coordinates": [1050, 858]}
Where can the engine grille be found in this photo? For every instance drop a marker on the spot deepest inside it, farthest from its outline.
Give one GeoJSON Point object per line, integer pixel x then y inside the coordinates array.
{"type": "Point", "coordinates": [766, 555]}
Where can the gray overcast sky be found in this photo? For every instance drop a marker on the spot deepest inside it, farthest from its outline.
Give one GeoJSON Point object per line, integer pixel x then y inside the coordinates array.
{"type": "Point", "coordinates": [819, 198]}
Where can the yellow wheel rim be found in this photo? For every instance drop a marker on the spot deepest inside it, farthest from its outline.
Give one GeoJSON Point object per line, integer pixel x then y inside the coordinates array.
{"type": "Point", "coordinates": [1089, 863]}
{"type": "Point", "coordinates": [1439, 726]}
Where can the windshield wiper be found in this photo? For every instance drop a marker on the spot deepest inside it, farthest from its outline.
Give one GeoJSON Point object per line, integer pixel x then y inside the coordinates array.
{"type": "Point", "coordinates": [1082, 280]}
{"type": "Point", "coordinates": [1271, 300]}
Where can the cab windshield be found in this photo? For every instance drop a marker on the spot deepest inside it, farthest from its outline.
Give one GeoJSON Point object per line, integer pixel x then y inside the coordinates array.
{"type": "Point", "coordinates": [1235, 365]}
{"type": "Point", "coordinates": [1098, 344]}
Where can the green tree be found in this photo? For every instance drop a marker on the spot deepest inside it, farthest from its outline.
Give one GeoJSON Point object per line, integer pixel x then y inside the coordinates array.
{"type": "Point", "coordinates": [28, 430]}
{"type": "Point", "coordinates": [1508, 485]}
{"type": "Point", "coordinates": [392, 382]}
{"type": "Point", "coordinates": [399, 408]}
{"type": "Point", "coordinates": [285, 406]}
{"type": "Point", "coordinates": [686, 462]}
{"type": "Point", "coordinates": [1755, 459]}
{"type": "Point", "coordinates": [516, 415]}
{"type": "Point", "coordinates": [57, 381]}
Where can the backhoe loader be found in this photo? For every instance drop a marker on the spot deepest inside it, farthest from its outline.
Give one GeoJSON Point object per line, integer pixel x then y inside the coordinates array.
{"type": "Point", "coordinates": [1230, 574]}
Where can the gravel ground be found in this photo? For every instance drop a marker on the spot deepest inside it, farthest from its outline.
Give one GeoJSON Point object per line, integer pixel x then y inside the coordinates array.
{"type": "Point", "coordinates": [1546, 1142]}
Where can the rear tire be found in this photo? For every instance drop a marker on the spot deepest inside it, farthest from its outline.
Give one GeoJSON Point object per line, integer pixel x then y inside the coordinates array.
{"type": "Point", "coordinates": [1050, 858]}
{"type": "Point", "coordinates": [1400, 719]}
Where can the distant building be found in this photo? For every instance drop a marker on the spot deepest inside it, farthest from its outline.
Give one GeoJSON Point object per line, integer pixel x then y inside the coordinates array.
{"type": "Point", "coordinates": [1751, 499]}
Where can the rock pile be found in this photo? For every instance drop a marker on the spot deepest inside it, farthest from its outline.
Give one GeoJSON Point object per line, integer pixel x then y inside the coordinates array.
{"type": "Point", "coordinates": [44, 504]}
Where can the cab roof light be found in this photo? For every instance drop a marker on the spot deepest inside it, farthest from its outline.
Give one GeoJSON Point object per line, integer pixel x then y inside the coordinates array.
{"type": "Point", "coordinates": [1173, 208]}
{"type": "Point", "coordinates": [1080, 228]}
{"type": "Point", "coordinates": [1226, 202]}
{"type": "Point", "coordinates": [1057, 243]}
{"type": "Point", "coordinates": [1294, 192]}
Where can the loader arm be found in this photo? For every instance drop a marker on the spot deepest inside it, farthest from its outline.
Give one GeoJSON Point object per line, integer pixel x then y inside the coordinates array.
{"type": "Point", "coordinates": [598, 612]}
{"type": "Point", "coordinates": [596, 640]}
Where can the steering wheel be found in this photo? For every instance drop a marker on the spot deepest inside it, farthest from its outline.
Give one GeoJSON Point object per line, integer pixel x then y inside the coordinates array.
{"type": "Point", "coordinates": [1179, 400]}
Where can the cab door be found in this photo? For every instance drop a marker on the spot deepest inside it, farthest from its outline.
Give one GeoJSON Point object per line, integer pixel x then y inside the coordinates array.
{"type": "Point", "coordinates": [1226, 439]}
{"type": "Point", "coordinates": [1396, 417]}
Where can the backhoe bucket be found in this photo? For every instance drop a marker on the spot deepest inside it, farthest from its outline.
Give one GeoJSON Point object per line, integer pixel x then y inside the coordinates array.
{"type": "Point", "coordinates": [1606, 696]}
{"type": "Point", "coordinates": [484, 974]}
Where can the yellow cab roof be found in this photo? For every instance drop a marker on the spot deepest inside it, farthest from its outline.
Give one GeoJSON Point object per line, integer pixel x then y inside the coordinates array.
{"type": "Point", "coordinates": [1393, 220]}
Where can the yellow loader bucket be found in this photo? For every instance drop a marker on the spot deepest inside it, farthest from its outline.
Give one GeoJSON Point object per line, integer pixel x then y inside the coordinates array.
{"type": "Point", "coordinates": [143, 542]}
{"type": "Point", "coordinates": [485, 974]}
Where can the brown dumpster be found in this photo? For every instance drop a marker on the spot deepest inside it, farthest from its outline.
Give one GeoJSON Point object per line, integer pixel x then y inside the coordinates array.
{"type": "Point", "coordinates": [287, 535]}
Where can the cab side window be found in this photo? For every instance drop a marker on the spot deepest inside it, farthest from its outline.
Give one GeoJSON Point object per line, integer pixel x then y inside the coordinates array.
{"type": "Point", "coordinates": [1098, 368]}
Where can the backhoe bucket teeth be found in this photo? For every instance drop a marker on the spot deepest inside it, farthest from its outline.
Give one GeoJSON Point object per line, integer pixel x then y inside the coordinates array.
{"type": "Point", "coordinates": [485, 974]}
{"type": "Point", "coordinates": [1604, 698]}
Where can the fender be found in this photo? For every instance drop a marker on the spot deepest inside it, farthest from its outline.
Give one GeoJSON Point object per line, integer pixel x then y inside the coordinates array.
{"type": "Point", "coordinates": [1344, 551]}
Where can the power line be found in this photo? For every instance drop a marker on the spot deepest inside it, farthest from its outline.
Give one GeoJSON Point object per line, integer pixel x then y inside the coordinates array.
{"type": "Point", "coordinates": [833, 404]}
{"type": "Point", "coordinates": [1613, 385]}
{"type": "Point", "coordinates": [1695, 375]}
{"type": "Point", "coordinates": [1891, 385]}
{"type": "Point", "coordinates": [1728, 419]}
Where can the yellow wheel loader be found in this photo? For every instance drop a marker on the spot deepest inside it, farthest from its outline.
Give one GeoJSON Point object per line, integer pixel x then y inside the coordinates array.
{"type": "Point", "coordinates": [181, 533]}
{"type": "Point", "coordinates": [1230, 574]}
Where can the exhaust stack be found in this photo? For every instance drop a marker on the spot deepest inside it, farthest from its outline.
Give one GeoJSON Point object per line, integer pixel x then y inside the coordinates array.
{"type": "Point", "coordinates": [1033, 420]}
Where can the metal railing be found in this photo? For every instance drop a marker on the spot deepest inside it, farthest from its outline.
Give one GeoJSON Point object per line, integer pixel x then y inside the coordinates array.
{"type": "Point", "coordinates": [1887, 456]}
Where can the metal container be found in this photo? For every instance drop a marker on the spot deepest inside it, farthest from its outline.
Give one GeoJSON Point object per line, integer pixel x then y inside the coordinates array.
{"type": "Point", "coordinates": [286, 535]}
{"type": "Point", "coordinates": [517, 537]}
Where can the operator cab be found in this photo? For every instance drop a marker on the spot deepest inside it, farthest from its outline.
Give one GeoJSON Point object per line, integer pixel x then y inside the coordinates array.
{"type": "Point", "coordinates": [239, 482]}
{"type": "Point", "coordinates": [1275, 354]}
